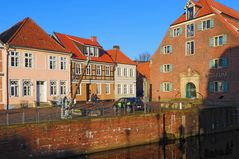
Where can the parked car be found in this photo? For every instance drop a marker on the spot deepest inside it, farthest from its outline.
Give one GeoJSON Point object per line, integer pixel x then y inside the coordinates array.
{"type": "Point", "coordinates": [129, 104]}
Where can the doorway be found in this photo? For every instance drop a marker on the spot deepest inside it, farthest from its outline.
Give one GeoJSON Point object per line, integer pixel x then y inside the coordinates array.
{"type": "Point", "coordinates": [41, 92]}
{"type": "Point", "coordinates": [88, 92]}
{"type": "Point", "coordinates": [191, 91]}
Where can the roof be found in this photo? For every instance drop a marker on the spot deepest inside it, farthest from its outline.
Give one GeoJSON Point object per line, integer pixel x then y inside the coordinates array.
{"type": "Point", "coordinates": [69, 42]}
{"type": "Point", "coordinates": [208, 7]}
{"type": "Point", "coordinates": [27, 33]}
{"type": "Point", "coordinates": [119, 57]}
{"type": "Point", "coordinates": [144, 69]}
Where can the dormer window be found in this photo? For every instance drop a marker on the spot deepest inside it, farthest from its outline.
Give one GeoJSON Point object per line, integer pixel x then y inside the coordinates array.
{"type": "Point", "coordinates": [190, 13]}
{"type": "Point", "coordinates": [92, 51]}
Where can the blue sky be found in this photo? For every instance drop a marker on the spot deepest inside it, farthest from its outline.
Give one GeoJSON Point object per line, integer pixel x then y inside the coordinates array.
{"type": "Point", "coordinates": [138, 26]}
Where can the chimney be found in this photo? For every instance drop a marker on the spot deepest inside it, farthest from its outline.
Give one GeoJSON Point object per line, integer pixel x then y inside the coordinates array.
{"type": "Point", "coordinates": [93, 38]}
{"type": "Point", "coordinates": [117, 47]}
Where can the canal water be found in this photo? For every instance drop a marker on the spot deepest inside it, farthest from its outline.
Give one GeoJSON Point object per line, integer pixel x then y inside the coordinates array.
{"type": "Point", "coordinates": [219, 146]}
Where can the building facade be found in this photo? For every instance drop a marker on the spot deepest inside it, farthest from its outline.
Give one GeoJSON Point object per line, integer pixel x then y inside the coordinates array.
{"type": "Point", "coordinates": [198, 55]}
{"type": "Point", "coordinates": [99, 76]}
{"type": "Point", "coordinates": [125, 74]}
{"type": "Point", "coordinates": [36, 69]}
{"type": "Point", "coordinates": [1, 77]}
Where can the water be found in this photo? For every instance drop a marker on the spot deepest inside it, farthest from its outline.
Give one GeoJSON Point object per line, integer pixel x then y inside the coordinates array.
{"type": "Point", "coordinates": [219, 146]}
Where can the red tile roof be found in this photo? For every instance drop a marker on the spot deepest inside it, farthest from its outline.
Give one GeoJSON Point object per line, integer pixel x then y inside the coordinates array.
{"type": "Point", "coordinates": [119, 57]}
{"type": "Point", "coordinates": [144, 69]}
{"type": "Point", "coordinates": [27, 33]}
{"type": "Point", "coordinates": [69, 42]}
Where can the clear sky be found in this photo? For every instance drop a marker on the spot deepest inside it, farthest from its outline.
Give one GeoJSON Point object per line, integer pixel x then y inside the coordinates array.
{"type": "Point", "coordinates": [138, 26]}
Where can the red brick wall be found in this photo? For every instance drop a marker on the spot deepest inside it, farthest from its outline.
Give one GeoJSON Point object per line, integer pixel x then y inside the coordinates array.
{"type": "Point", "coordinates": [1, 78]}
{"type": "Point", "coordinates": [91, 135]}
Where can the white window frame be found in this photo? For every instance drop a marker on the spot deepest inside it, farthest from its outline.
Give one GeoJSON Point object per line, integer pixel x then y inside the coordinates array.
{"type": "Point", "coordinates": [77, 92]}
{"type": "Point", "coordinates": [217, 40]}
{"type": "Point", "coordinates": [52, 60]}
{"type": "Point", "coordinates": [131, 89]}
{"type": "Point", "coordinates": [28, 90]}
{"type": "Point", "coordinates": [125, 89]}
{"type": "Point", "coordinates": [16, 88]}
{"type": "Point", "coordinates": [166, 86]}
{"type": "Point", "coordinates": [166, 68]}
{"type": "Point", "coordinates": [98, 69]}
{"type": "Point", "coordinates": [119, 89]}
{"type": "Point", "coordinates": [15, 56]}
{"type": "Point", "coordinates": [187, 16]}
{"type": "Point", "coordinates": [98, 88]}
{"type": "Point", "coordinates": [63, 87]}
{"type": "Point", "coordinates": [191, 33]}
{"type": "Point", "coordinates": [176, 32]}
{"type": "Point", "coordinates": [53, 87]}
{"type": "Point", "coordinates": [119, 71]}
{"type": "Point", "coordinates": [107, 70]}
{"type": "Point", "coordinates": [107, 88]}
{"type": "Point", "coordinates": [29, 59]}
{"type": "Point", "coordinates": [190, 51]}
{"type": "Point", "coordinates": [78, 68]}
{"type": "Point", "coordinates": [88, 70]}
{"type": "Point", "coordinates": [219, 89]}
{"type": "Point", "coordinates": [63, 63]}
{"type": "Point", "coordinates": [125, 72]}
{"type": "Point", "coordinates": [131, 72]}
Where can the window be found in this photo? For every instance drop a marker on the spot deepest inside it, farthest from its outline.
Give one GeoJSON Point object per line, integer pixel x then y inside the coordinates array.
{"type": "Point", "coordinates": [27, 88]}
{"type": "Point", "coordinates": [98, 88]}
{"type": "Point", "coordinates": [107, 70]}
{"type": "Point", "coordinates": [190, 48]}
{"type": "Point", "coordinates": [131, 72]}
{"type": "Point", "coordinates": [218, 86]}
{"type": "Point", "coordinates": [218, 41]}
{"type": "Point", "coordinates": [63, 63]}
{"type": "Point", "coordinates": [119, 91]}
{"type": "Point", "coordinates": [166, 49]}
{"type": "Point", "coordinates": [190, 30]}
{"type": "Point", "coordinates": [88, 70]}
{"type": "Point", "coordinates": [92, 51]}
{"type": "Point", "coordinates": [28, 60]}
{"type": "Point", "coordinates": [14, 88]}
{"type": "Point", "coordinates": [107, 88]}
{"type": "Point", "coordinates": [177, 32]}
{"type": "Point", "coordinates": [218, 63]}
{"type": "Point", "coordinates": [190, 13]}
{"type": "Point", "coordinates": [52, 62]}
{"type": "Point", "coordinates": [63, 88]}
{"type": "Point", "coordinates": [119, 71]}
{"type": "Point", "coordinates": [78, 91]}
{"type": "Point", "coordinates": [87, 51]}
{"type": "Point", "coordinates": [131, 89]}
{"type": "Point", "coordinates": [125, 89]}
{"type": "Point", "coordinates": [166, 68]}
{"type": "Point", "coordinates": [206, 24]}
{"type": "Point", "coordinates": [125, 72]}
{"type": "Point", "coordinates": [53, 88]}
{"type": "Point", "coordinates": [166, 87]}
{"type": "Point", "coordinates": [98, 70]}
{"type": "Point", "coordinates": [78, 68]}
{"type": "Point", "coordinates": [14, 59]}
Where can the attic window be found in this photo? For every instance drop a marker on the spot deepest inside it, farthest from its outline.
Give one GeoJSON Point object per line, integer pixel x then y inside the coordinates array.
{"type": "Point", "coordinates": [190, 13]}
{"type": "Point", "coordinates": [92, 51]}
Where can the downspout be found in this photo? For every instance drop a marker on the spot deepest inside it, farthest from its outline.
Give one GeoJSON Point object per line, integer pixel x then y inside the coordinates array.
{"type": "Point", "coordinates": [6, 48]}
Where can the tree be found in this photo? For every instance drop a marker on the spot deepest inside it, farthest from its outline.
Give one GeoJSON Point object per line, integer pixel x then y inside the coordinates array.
{"type": "Point", "coordinates": [144, 57]}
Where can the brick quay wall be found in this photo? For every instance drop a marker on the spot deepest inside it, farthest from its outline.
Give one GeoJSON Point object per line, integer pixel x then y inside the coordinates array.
{"type": "Point", "coordinates": [73, 137]}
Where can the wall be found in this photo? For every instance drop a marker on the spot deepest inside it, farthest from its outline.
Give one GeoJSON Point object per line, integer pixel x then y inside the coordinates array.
{"type": "Point", "coordinates": [1, 80]}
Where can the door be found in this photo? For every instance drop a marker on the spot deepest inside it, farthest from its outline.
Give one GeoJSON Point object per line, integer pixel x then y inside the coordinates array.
{"type": "Point", "coordinates": [41, 92]}
{"type": "Point", "coordinates": [88, 92]}
{"type": "Point", "coordinates": [191, 91]}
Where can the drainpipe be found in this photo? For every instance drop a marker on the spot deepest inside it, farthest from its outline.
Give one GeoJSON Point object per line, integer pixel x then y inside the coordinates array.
{"type": "Point", "coordinates": [6, 48]}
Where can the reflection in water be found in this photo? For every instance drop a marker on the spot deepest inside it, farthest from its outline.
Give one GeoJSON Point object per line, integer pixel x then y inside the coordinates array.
{"type": "Point", "coordinates": [220, 146]}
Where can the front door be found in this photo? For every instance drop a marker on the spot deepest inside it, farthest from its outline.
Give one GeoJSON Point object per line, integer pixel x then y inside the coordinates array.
{"type": "Point", "coordinates": [191, 91]}
{"type": "Point", "coordinates": [41, 92]}
{"type": "Point", "coordinates": [88, 92]}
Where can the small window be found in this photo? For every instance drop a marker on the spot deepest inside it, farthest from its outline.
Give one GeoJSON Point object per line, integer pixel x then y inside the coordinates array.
{"type": "Point", "coordinates": [190, 30]}
{"type": "Point", "coordinates": [119, 71]}
{"type": "Point", "coordinates": [78, 68]}
{"type": "Point", "coordinates": [107, 70]}
{"type": "Point", "coordinates": [125, 89]}
{"type": "Point", "coordinates": [190, 48]}
{"type": "Point", "coordinates": [131, 89]}
{"type": "Point", "coordinates": [131, 72]}
{"type": "Point", "coordinates": [166, 49]}
{"type": "Point", "coordinates": [218, 86]}
{"type": "Point", "coordinates": [63, 88]}
{"type": "Point", "coordinates": [190, 13]}
{"type": "Point", "coordinates": [166, 87]}
{"type": "Point", "coordinates": [218, 41]}
{"type": "Point", "coordinates": [177, 32]}
{"type": "Point", "coordinates": [166, 68]}
{"type": "Point", "coordinates": [98, 89]}
{"type": "Point", "coordinates": [88, 70]}
{"type": "Point", "coordinates": [107, 88]}
{"type": "Point", "coordinates": [218, 63]}
{"type": "Point", "coordinates": [87, 51]}
{"type": "Point", "coordinates": [52, 62]}
{"type": "Point", "coordinates": [98, 70]}
{"type": "Point", "coordinates": [28, 60]}
{"type": "Point", "coordinates": [125, 72]}
{"type": "Point", "coordinates": [14, 59]}
{"type": "Point", "coordinates": [14, 88]}
{"type": "Point", "coordinates": [63, 63]}
{"type": "Point", "coordinates": [119, 90]}
{"type": "Point", "coordinates": [27, 88]}
{"type": "Point", "coordinates": [53, 88]}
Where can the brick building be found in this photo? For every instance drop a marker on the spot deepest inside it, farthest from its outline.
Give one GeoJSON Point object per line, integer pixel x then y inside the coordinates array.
{"type": "Point", "coordinates": [198, 57]}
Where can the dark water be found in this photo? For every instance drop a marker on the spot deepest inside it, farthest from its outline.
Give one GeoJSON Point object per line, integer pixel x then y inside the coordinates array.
{"type": "Point", "coordinates": [219, 146]}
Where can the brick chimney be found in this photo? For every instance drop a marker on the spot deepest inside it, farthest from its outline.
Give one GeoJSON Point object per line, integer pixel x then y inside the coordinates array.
{"type": "Point", "coordinates": [116, 47]}
{"type": "Point", "coordinates": [93, 38]}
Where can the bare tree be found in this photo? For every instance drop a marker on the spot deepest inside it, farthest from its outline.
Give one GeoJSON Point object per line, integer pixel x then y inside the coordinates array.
{"type": "Point", "coordinates": [144, 57]}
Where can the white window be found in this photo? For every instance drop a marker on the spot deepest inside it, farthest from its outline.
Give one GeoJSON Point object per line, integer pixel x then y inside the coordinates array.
{"type": "Point", "coordinates": [98, 70]}
{"type": "Point", "coordinates": [119, 90]}
{"type": "Point", "coordinates": [14, 59]}
{"type": "Point", "coordinates": [119, 71]}
{"type": "Point", "coordinates": [218, 41]}
{"type": "Point", "coordinates": [190, 48]}
{"type": "Point", "coordinates": [166, 87]}
{"type": "Point", "coordinates": [28, 60]}
{"type": "Point", "coordinates": [190, 30]}
{"type": "Point", "coordinates": [88, 70]}
{"type": "Point", "coordinates": [205, 25]}
{"type": "Point", "coordinates": [218, 86]}
{"type": "Point", "coordinates": [131, 72]}
{"type": "Point", "coordinates": [27, 88]}
{"type": "Point", "coordinates": [63, 87]}
{"type": "Point", "coordinates": [98, 89]}
{"type": "Point", "coordinates": [125, 72]}
{"type": "Point", "coordinates": [125, 89]}
{"type": "Point", "coordinates": [96, 52]}
{"type": "Point", "coordinates": [107, 88]}
{"type": "Point", "coordinates": [190, 13]}
{"type": "Point", "coordinates": [53, 88]}
{"type": "Point", "coordinates": [14, 88]}
{"type": "Point", "coordinates": [218, 63]}
{"type": "Point", "coordinates": [177, 32]}
{"type": "Point", "coordinates": [92, 51]}
{"type": "Point", "coordinates": [166, 68]}
{"type": "Point", "coordinates": [87, 51]}
{"type": "Point", "coordinates": [78, 68]}
{"type": "Point", "coordinates": [63, 64]}
{"type": "Point", "coordinates": [78, 91]}
{"type": "Point", "coordinates": [166, 49]}
{"type": "Point", "coordinates": [52, 62]}
{"type": "Point", "coordinates": [107, 70]}
{"type": "Point", "coordinates": [131, 89]}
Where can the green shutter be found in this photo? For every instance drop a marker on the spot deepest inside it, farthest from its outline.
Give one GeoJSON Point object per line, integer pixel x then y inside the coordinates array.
{"type": "Point", "coordinates": [171, 33]}
{"type": "Point", "coordinates": [225, 86]}
{"type": "Point", "coordinates": [200, 26]}
{"type": "Point", "coordinates": [224, 39]}
{"type": "Point", "coordinates": [212, 23]}
{"type": "Point", "coordinates": [211, 64]}
{"type": "Point", "coordinates": [224, 62]}
{"type": "Point", "coordinates": [211, 42]}
{"type": "Point", "coordinates": [171, 67]}
{"type": "Point", "coordinates": [170, 87]}
{"type": "Point", "coordinates": [161, 50]}
{"type": "Point", "coordinates": [161, 87]}
{"type": "Point", "coordinates": [180, 31]}
{"type": "Point", "coordinates": [170, 49]}
{"type": "Point", "coordinates": [211, 87]}
{"type": "Point", "coordinates": [161, 68]}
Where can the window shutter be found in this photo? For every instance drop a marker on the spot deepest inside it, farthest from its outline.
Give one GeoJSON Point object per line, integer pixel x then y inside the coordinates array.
{"type": "Point", "coordinates": [180, 31]}
{"type": "Point", "coordinates": [170, 49]}
{"type": "Point", "coordinates": [161, 50]}
{"type": "Point", "coordinates": [171, 34]}
{"type": "Point", "coordinates": [170, 67]}
{"type": "Point", "coordinates": [161, 87]}
{"type": "Point", "coordinates": [200, 26]}
{"type": "Point", "coordinates": [225, 85]}
{"type": "Point", "coordinates": [224, 39]}
{"type": "Point", "coordinates": [161, 68]}
{"type": "Point", "coordinates": [224, 62]}
{"type": "Point", "coordinates": [211, 64]}
{"type": "Point", "coordinates": [211, 87]}
{"type": "Point", "coordinates": [211, 42]}
{"type": "Point", "coordinates": [212, 23]}
{"type": "Point", "coordinates": [170, 87]}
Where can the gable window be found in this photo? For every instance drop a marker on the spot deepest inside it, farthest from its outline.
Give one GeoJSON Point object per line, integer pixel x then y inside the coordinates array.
{"type": "Point", "coordinates": [119, 71]}
{"type": "Point", "coordinates": [27, 88]}
{"type": "Point", "coordinates": [206, 24]}
{"type": "Point", "coordinates": [107, 70]}
{"type": "Point", "coordinates": [63, 88]}
{"type": "Point", "coordinates": [14, 88]}
{"type": "Point", "coordinates": [52, 62]}
{"type": "Point", "coordinates": [190, 30]}
{"type": "Point", "coordinates": [98, 70]}
{"type": "Point", "coordinates": [14, 59]}
{"type": "Point", "coordinates": [218, 41]}
{"type": "Point", "coordinates": [125, 72]}
{"type": "Point", "coordinates": [53, 88]}
{"type": "Point", "coordinates": [218, 86]}
{"type": "Point", "coordinates": [107, 88]}
{"type": "Point", "coordinates": [92, 51]}
{"type": "Point", "coordinates": [218, 63]}
{"type": "Point", "coordinates": [87, 51]}
{"type": "Point", "coordinates": [190, 48]}
{"type": "Point", "coordinates": [190, 13]}
{"type": "Point", "coordinates": [119, 91]}
{"type": "Point", "coordinates": [166, 87]}
{"type": "Point", "coordinates": [63, 63]}
{"type": "Point", "coordinates": [166, 49]}
{"type": "Point", "coordinates": [28, 60]}
{"type": "Point", "coordinates": [98, 88]}
{"type": "Point", "coordinates": [88, 70]}
{"type": "Point", "coordinates": [166, 68]}
{"type": "Point", "coordinates": [78, 68]}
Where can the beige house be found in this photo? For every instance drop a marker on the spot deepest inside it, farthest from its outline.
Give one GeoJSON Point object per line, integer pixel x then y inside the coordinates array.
{"type": "Point", "coordinates": [36, 68]}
